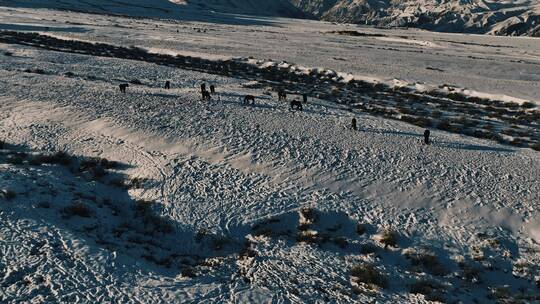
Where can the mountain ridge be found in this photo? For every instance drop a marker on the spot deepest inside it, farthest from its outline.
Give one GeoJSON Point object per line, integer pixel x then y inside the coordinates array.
{"type": "Point", "coordinates": [511, 18]}
{"type": "Point", "coordinates": [514, 18]}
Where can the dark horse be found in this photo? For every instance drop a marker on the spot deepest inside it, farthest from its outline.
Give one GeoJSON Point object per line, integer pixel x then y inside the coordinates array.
{"type": "Point", "coordinates": [206, 95]}
{"type": "Point", "coordinates": [249, 99]}
{"type": "Point", "coordinates": [296, 105]}
{"type": "Point", "coordinates": [282, 95]}
{"type": "Point", "coordinates": [123, 87]}
{"type": "Point", "coordinates": [426, 137]}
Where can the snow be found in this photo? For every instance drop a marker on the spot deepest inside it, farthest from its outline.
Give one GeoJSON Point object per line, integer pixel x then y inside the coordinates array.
{"type": "Point", "coordinates": [218, 169]}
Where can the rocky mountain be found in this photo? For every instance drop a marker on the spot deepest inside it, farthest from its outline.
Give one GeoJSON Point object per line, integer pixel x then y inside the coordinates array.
{"type": "Point", "coordinates": [498, 17]}
{"type": "Point", "coordinates": [519, 17]}
{"type": "Point", "coordinates": [506, 17]}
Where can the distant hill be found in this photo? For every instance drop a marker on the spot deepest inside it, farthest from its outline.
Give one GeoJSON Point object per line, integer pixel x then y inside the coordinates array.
{"type": "Point", "coordinates": [506, 17]}
{"type": "Point", "coordinates": [517, 17]}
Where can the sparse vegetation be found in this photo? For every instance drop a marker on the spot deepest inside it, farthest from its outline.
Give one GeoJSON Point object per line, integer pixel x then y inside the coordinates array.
{"type": "Point", "coordinates": [368, 274]}
{"type": "Point", "coordinates": [7, 194]}
{"type": "Point", "coordinates": [425, 260]}
{"type": "Point", "coordinates": [528, 105]}
{"type": "Point", "coordinates": [77, 209]}
{"type": "Point", "coordinates": [152, 222]}
{"type": "Point", "coordinates": [36, 71]}
{"type": "Point", "coordinates": [308, 236]}
{"type": "Point", "coordinates": [389, 237]}
{"type": "Point", "coordinates": [138, 182]}
{"type": "Point", "coordinates": [61, 158]}
{"type": "Point", "coordinates": [432, 290]}
{"type": "Point", "coordinates": [341, 242]}
{"type": "Point", "coordinates": [360, 228]}
{"type": "Point", "coordinates": [44, 205]}
{"type": "Point", "coordinates": [368, 248]}
{"type": "Point", "coordinates": [17, 158]}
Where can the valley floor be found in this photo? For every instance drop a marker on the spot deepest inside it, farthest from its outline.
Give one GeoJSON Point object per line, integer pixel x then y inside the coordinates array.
{"type": "Point", "coordinates": [246, 203]}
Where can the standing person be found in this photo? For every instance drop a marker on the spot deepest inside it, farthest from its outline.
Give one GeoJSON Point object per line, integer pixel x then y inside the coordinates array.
{"type": "Point", "coordinates": [354, 126]}
{"type": "Point", "coordinates": [203, 87]}
{"type": "Point", "coordinates": [212, 89]}
{"type": "Point", "coordinates": [167, 85]}
{"type": "Point", "coordinates": [426, 137]}
{"type": "Point", "coordinates": [304, 98]}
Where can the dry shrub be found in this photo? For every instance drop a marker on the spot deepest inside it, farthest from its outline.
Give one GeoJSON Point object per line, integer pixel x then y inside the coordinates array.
{"type": "Point", "coordinates": [138, 182]}
{"type": "Point", "coordinates": [341, 242]}
{"type": "Point", "coordinates": [77, 209]}
{"type": "Point", "coordinates": [368, 248]}
{"type": "Point", "coordinates": [7, 194]}
{"type": "Point", "coordinates": [16, 158]}
{"type": "Point", "coordinates": [60, 158]}
{"type": "Point", "coordinates": [427, 260]}
{"type": "Point", "coordinates": [308, 236]}
{"type": "Point", "coordinates": [389, 237]}
{"type": "Point", "coordinates": [528, 105]}
{"type": "Point", "coordinates": [152, 222]}
{"type": "Point", "coordinates": [360, 228]}
{"type": "Point", "coordinates": [308, 215]}
{"type": "Point", "coordinates": [368, 274]}
{"type": "Point", "coordinates": [433, 291]}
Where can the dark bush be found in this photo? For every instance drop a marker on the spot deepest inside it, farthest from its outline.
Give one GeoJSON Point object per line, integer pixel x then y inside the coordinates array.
{"type": "Point", "coordinates": [368, 274]}
{"type": "Point", "coordinates": [341, 242]}
{"type": "Point", "coordinates": [60, 158]}
{"type": "Point", "coordinates": [389, 237]}
{"type": "Point", "coordinates": [153, 223]}
{"type": "Point", "coordinates": [77, 209]}
{"type": "Point", "coordinates": [36, 71]}
{"type": "Point", "coordinates": [7, 194]}
{"type": "Point", "coordinates": [427, 260]}
{"type": "Point", "coordinates": [457, 96]}
{"type": "Point", "coordinates": [360, 228]}
{"type": "Point", "coordinates": [16, 158]}
{"type": "Point", "coordinates": [433, 291]}
{"type": "Point", "coordinates": [308, 236]}
{"type": "Point", "coordinates": [528, 105]}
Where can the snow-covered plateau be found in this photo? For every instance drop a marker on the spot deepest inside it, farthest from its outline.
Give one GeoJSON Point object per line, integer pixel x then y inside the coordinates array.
{"type": "Point", "coordinates": [157, 196]}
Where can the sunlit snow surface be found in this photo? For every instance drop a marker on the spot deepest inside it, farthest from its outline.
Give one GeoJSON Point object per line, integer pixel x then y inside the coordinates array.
{"type": "Point", "coordinates": [226, 174]}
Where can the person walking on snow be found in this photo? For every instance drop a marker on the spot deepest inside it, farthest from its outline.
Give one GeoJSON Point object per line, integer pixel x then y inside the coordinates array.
{"type": "Point", "coordinates": [354, 126]}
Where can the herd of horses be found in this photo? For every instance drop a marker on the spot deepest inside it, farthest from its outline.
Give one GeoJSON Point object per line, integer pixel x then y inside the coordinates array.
{"type": "Point", "coordinates": [250, 100]}
{"type": "Point", "coordinates": [206, 95]}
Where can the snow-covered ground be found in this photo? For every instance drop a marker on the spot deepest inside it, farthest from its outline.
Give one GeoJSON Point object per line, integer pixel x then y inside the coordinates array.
{"type": "Point", "coordinates": [495, 65]}
{"type": "Point", "coordinates": [223, 183]}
